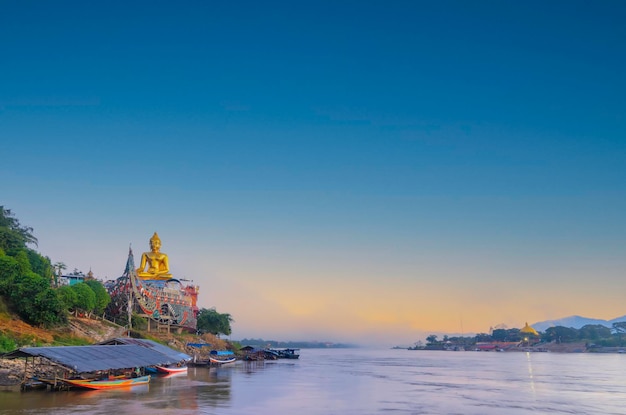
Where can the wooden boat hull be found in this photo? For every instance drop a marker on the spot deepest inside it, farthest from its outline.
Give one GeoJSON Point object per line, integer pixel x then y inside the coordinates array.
{"type": "Point", "coordinates": [170, 370]}
{"type": "Point", "coordinates": [215, 361]}
{"type": "Point", "coordinates": [107, 383]}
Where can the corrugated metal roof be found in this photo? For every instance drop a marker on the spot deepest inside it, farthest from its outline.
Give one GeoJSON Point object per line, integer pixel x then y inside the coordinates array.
{"type": "Point", "coordinates": [92, 358]}
{"type": "Point", "coordinates": [173, 354]}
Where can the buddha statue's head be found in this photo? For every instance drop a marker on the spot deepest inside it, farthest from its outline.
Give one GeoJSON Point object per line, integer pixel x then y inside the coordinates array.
{"type": "Point", "coordinates": [155, 242]}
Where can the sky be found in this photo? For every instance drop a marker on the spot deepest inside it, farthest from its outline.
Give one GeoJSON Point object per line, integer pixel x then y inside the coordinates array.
{"type": "Point", "coordinates": [348, 171]}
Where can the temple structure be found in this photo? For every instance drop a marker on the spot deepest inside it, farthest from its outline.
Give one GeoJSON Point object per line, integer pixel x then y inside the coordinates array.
{"type": "Point", "coordinates": [529, 335]}
{"type": "Point", "coordinates": [528, 331]}
{"type": "Point", "coordinates": [151, 291]}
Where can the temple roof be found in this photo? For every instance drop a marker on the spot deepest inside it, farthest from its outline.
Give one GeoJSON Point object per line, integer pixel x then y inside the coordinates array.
{"type": "Point", "coordinates": [529, 330]}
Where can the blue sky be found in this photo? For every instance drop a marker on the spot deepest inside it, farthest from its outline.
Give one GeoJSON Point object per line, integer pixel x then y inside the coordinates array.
{"type": "Point", "coordinates": [345, 170]}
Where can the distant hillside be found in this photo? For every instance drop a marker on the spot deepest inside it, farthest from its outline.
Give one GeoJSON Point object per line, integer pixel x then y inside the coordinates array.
{"type": "Point", "coordinates": [576, 322]}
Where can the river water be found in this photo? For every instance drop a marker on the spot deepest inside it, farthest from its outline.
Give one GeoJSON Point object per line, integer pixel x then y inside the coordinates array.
{"type": "Point", "coordinates": [364, 381]}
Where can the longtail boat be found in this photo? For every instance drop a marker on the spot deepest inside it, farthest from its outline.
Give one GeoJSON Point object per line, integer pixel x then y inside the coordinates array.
{"type": "Point", "coordinates": [107, 383]}
{"type": "Point", "coordinates": [221, 357]}
{"type": "Point", "coordinates": [171, 369]}
{"type": "Point", "coordinates": [222, 361]}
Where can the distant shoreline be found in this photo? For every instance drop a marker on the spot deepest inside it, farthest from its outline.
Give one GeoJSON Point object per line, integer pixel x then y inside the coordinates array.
{"type": "Point", "coordinates": [577, 347]}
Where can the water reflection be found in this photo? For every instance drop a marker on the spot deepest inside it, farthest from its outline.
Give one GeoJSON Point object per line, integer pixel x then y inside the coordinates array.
{"type": "Point", "coordinates": [176, 393]}
{"type": "Point", "coordinates": [363, 382]}
{"type": "Point", "coordinates": [530, 372]}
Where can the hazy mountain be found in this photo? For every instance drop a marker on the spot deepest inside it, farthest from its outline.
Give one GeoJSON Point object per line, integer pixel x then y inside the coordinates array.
{"type": "Point", "coordinates": [575, 322]}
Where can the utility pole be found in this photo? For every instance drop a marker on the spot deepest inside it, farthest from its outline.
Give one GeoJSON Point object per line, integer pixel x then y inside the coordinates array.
{"type": "Point", "coordinates": [130, 306]}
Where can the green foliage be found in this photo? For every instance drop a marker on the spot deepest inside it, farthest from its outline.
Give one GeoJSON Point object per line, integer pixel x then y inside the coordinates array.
{"type": "Point", "coordinates": [9, 270]}
{"type": "Point", "coordinates": [86, 298]}
{"type": "Point", "coordinates": [57, 269]}
{"type": "Point", "coordinates": [210, 321]}
{"type": "Point", "coordinates": [620, 327]}
{"type": "Point", "coordinates": [4, 310]}
{"type": "Point", "coordinates": [483, 338]}
{"type": "Point", "coordinates": [594, 332]}
{"type": "Point", "coordinates": [139, 323]}
{"type": "Point", "coordinates": [432, 339]}
{"type": "Point", "coordinates": [25, 289]}
{"type": "Point", "coordinates": [102, 296]}
{"type": "Point", "coordinates": [22, 260]}
{"type": "Point", "coordinates": [49, 309]}
{"type": "Point", "coordinates": [13, 236]}
{"type": "Point", "coordinates": [40, 264]}
{"type": "Point", "coordinates": [25, 275]}
{"type": "Point", "coordinates": [506, 335]}
{"type": "Point", "coordinates": [68, 297]}
{"type": "Point", "coordinates": [7, 343]}
{"type": "Point", "coordinates": [560, 334]}
{"type": "Point", "coordinates": [70, 340]}
{"type": "Point", "coordinates": [35, 302]}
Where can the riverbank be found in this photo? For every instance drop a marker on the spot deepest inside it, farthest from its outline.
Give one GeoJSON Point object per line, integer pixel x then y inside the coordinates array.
{"type": "Point", "coordinates": [80, 331]}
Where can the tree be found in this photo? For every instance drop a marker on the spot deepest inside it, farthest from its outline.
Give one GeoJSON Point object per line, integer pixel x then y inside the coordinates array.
{"type": "Point", "coordinates": [25, 274]}
{"type": "Point", "coordinates": [210, 321]}
{"type": "Point", "coordinates": [34, 300]}
{"type": "Point", "coordinates": [499, 335]}
{"type": "Point", "coordinates": [102, 296]}
{"type": "Point", "coordinates": [432, 339]}
{"type": "Point", "coordinates": [619, 328]}
{"type": "Point", "coordinates": [22, 259]}
{"type": "Point", "coordinates": [40, 264]}
{"type": "Point", "coordinates": [560, 334]}
{"type": "Point", "coordinates": [594, 332]}
{"type": "Point", "coordinates": [86, 298]}
{"type": "Point", "coordinates": [68, 297]}
{"type": "Point", "coordinates": [13, 236]}
{"type": "Point", "coordinates": [24, 290]}
{"type": "Point", "coordinates": [49, 309]}
{"type": "Point", "coordinates": [225, 320]}
{"type": "Point", "coordinates": [9, 270]}
{"type": "Point", "coordinates": [58, 271]}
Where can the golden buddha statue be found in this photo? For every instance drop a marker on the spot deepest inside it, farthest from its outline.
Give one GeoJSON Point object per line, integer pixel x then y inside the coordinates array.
{"type": "Point", "coordinates": [157, 262]}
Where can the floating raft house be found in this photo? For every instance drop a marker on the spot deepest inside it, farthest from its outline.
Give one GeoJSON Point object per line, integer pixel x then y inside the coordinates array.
{"type": "Point", "coordinates": [84, 359]}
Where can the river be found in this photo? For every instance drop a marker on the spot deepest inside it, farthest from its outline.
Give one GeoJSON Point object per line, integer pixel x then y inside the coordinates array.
{"type": "Point", "coordinates": [361, 382]}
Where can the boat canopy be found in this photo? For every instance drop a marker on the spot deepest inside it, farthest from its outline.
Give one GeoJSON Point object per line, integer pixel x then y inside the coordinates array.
{"type": "Point", "coordinates": [199, 345]}
{"type": "Point", "coordinates": [83, 359]}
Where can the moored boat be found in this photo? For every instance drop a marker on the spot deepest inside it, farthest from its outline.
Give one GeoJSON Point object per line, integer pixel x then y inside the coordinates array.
{"type": "Point", "coordinates": [107, 383]}
{"type": "Point", "coordinates": [171, 369]}
{"type": "Point", "coordinates": [216, 361]}
{"type": "Point", "coordinates": [221, 357]}
{"type": "Point", "coordinates": [286, 353]}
